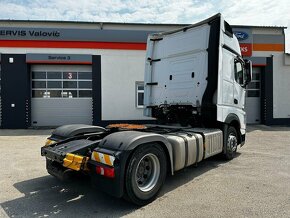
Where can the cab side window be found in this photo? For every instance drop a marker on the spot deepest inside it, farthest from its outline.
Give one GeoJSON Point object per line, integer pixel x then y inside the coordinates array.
{"type": "Point", "coordinates": [239, 72]}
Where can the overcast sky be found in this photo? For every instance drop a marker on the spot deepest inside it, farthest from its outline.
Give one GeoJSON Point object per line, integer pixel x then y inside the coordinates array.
{"type": "Point", "coordinates": [241, 12]}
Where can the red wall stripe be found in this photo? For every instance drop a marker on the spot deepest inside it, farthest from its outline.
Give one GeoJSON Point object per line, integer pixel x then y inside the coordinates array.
{"type": "Point", "coordinates": [59, 62]}
{"type": "Point", "coordinates": [72, 44]}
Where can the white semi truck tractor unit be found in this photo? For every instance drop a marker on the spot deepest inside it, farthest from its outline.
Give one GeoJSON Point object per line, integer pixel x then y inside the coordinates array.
{"type": "Point", "coordinates": [195, 80]}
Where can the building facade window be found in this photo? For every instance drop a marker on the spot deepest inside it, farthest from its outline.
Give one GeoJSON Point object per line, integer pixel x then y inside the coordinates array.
{"type": "Point", "coordinates": [61, 84]}
{"type": "Point", "coordinates": [139, 94]}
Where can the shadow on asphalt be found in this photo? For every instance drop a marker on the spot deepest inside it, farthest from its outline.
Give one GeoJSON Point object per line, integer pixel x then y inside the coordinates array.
{"type": "Point", "coordinates": [47, 196]}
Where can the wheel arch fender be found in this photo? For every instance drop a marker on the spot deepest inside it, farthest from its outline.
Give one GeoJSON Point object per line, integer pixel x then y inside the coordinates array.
{"type": "Point", "coordinates": [71, 130]}
{"type": "Point", "coordinates": [123, 144]}
{"type": "Point", "coordinates": [130, 140]}
{"type": "Point", "coordinates": [157, 139]}
{"type": "Point", "coordinates": [233, 120]}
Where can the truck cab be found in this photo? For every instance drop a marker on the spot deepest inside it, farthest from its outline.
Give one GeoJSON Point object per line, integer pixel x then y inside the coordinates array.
{"type": "Point", "coordinates": [196, 76]}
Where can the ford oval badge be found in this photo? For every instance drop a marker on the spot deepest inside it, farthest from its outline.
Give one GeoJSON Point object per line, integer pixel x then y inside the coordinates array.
{"type": "Point", "coordinates": [241, 35]}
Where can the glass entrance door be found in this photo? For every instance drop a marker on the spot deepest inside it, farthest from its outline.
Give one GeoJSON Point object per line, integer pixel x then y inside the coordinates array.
{"type": "Point", "coordinates": [253, 98]}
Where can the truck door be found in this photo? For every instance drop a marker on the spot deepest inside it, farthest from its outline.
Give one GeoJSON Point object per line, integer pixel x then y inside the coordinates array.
{"type": "Point", "coordinates": [239, 90]}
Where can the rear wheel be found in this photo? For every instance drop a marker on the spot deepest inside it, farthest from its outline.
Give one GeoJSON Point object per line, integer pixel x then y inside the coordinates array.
{"type": "Point", "coordinates": [145, 174]}
{"type": "Point", "coordinates": [231, 143]}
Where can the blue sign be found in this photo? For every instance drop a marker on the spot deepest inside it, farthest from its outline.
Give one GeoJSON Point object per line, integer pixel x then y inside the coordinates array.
{"type": "Point", "coordinates": [241, 35]}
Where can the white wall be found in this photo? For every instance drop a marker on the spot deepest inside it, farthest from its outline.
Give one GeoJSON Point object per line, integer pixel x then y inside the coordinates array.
{"type": "Point", "coordinates": [281, 87]}
{"type": "Point", "coordinates": [121, 69]}
{"type": "Point", "coordinates": [281, 83]}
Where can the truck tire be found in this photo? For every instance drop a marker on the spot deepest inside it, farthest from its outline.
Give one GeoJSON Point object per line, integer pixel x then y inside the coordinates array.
{"type": "Point", "coordinates": [145, 174]}
{"type": "Point", "coordinates": [231, 143]}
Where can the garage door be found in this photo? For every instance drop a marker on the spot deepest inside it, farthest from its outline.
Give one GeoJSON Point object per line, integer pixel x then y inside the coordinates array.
{"type": "Point", "coordinates": [61, 95]}
{"type": "Point", "coordinates": [253, 98]}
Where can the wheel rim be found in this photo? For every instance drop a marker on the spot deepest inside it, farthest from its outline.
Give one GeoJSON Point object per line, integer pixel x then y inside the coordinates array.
{"type": "Point", "coordinates": [147, 172]}
{"type": "Point", "coordinates": [232, 142]}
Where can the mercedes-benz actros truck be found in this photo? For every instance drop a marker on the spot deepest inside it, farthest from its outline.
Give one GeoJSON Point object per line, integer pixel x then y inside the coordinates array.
{"type": "Point", "coordinates": [195, 79]}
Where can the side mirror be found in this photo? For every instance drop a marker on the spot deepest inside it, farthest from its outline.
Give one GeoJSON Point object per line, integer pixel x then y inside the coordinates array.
{"type": "Point", "coordinates": [248, 72]}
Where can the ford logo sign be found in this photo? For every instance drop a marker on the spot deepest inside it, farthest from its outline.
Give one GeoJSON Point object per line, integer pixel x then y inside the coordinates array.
{"type": "Point", "coordinates": [241, 35]}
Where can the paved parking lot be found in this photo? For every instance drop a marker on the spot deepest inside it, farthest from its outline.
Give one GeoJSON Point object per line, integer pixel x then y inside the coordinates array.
{"type": "Point", "coordinates": [255, 184]}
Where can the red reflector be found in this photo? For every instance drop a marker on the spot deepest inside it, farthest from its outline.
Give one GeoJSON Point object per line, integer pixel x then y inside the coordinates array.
{"type": "Point", "coordinates": [110, 172]}
{"type": "Point", "coordinates": [105, 171]}
{"type": "Point", "coordinates": [100, 170]}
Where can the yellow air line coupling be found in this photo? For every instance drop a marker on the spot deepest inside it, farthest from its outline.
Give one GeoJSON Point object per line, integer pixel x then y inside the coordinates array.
{"type": "Point", "coordinates": [75, 162]}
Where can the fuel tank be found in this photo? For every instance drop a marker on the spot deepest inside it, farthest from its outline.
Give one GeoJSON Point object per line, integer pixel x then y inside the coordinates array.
{"type": "Point", "coordinates": [187, 148]}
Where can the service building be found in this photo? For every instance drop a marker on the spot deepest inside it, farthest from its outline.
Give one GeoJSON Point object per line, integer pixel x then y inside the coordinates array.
{"type": "Point", "coordinates": [55, 73]}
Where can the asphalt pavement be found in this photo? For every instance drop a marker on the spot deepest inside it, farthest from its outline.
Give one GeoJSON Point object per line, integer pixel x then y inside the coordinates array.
{"type": "Point", "coordinates": [254, 184]}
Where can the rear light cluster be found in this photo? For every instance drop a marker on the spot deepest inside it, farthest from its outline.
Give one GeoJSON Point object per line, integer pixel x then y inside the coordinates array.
{"type": "Point", "coordinates": [105, 171]}
{"type": "Point", "coordinates": [106, 161]}
{"type": "Point", "coordinates": [49, 142]}
{"type": "Point", "coordinates": [103, 158]}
